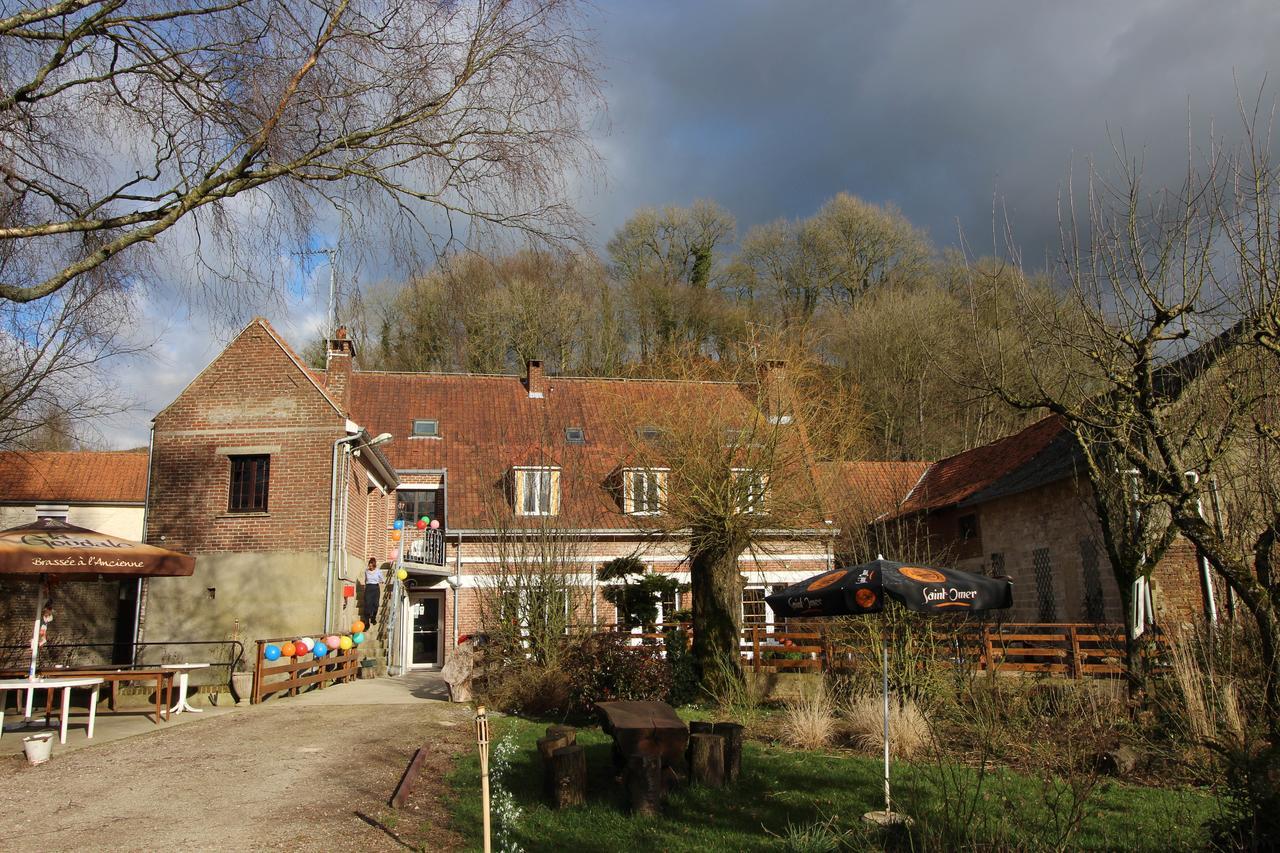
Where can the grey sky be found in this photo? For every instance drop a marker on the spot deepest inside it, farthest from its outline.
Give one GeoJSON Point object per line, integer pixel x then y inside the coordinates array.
{"type": "Point", "coordinates": [770, 108]}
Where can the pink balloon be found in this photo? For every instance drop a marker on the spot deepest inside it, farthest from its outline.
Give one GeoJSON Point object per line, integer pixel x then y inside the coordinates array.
{"type": "Point", "coordinates": [332, 642]}
{"type": "Point", "coordinates": [435, 524]}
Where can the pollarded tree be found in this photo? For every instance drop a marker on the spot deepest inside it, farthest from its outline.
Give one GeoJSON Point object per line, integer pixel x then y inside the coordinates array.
{"type": "Point", "coordinates": [724, 461]}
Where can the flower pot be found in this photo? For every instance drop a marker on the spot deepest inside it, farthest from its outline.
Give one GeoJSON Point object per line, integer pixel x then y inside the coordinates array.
{"type": "Point", "coordinates": [242, 686]}
{"type": "Point", "coordinates": [38, 747]}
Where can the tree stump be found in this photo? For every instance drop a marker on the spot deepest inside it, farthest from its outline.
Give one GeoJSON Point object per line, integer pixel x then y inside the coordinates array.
{"type": "Point", "coordinates": [696, 727]}
{"type": "Point", "coordinates": [546, 748]}
{"type": "Point", "coordinates": [568, 732]}
{"type": "Point", "coordinates": [732, 734]}
{"type": "Point", "coordinates": [569, 776]}
{"type": "Point", "coordinates": [644, 783]}
{"type": "Point", "coordinates": [706, 760]}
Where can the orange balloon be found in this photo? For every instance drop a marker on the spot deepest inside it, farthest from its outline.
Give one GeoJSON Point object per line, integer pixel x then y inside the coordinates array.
{"type": "Point", "coordinates": [288, 650]}
{"type": "Point", "coordinates": [395, 536]}
{"type": "Point", "coordinates": [357, 626]}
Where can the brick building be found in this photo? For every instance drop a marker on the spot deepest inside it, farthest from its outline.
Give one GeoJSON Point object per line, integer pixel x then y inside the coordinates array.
{"type": "Point", "coordinates": [245, 460]}
{"type": "Point", "coordinates": [99, 491]}
{"type": "Point", "coordinates": [1022, 506]}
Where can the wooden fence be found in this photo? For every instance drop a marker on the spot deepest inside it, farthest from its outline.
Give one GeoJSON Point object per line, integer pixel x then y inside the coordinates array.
{"type": "Point", "coordinates": [291, 675]}
{"type": "Point", "coordinates": [1068, 649]}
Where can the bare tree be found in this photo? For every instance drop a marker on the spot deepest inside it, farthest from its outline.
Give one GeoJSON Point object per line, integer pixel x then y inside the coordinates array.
{"type": "Point", "coordinates": [730, 468]}
{"type": "Point", "coordinates": [1166, 365]}
{"type": "Point", "coordinates": [51, 388]}
{"type": "Point", "coordinates": [121, 119]}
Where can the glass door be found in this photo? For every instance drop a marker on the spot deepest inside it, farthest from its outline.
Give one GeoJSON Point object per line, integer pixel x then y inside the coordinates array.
{"type": "Point", "coordinates": [425, 646]}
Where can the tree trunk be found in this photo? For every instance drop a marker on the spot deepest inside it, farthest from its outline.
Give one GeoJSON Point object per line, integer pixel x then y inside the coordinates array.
{"type": "Point", "coordinates": [644, 783]}
{"type": "Point", "coordinates": [706, 760]}
{"type": "Point", "coordinates": [547, 747]}
{"type": "Point", "coordinates": [569, 776]}
{"type": "Point", "coordinates": [717, 610]}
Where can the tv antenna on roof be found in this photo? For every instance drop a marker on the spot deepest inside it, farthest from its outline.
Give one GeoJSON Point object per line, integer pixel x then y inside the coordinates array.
{"type": "Point", "coordinates": [331, 315]}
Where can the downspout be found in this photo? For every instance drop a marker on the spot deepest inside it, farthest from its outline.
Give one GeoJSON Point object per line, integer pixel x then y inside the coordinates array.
{"type": "Point", "coordinates": [1206, 582]}
{"type": "Point", "coordinates": [1217, 526]}
{"type": "Point", "coordinates": [146, 508]}
{"type": "Point", "coordinates": [333, 507]}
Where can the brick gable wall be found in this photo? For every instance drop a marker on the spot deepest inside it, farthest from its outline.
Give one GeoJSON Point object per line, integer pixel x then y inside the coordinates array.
{"type": "Point", "coordinates": [254, 398]}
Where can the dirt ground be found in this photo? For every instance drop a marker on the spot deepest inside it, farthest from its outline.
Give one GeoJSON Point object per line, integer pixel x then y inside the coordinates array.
{"type": "Point", "coordinates": [267, 777]}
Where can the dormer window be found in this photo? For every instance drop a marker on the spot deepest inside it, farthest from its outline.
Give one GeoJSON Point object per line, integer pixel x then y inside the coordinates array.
{"type": "Point", "coordinates": [575, 435]}
{"type": "Point", "coordinates": [643, 490]}
{"type": "Point", "coordinates": [750, 487]}
{"type": "Point", "coordinates": [649, 432]}
{"type": "Point", "coordinates": [537, 491]}
{"type": "Point", "coordinates": [426, 428]}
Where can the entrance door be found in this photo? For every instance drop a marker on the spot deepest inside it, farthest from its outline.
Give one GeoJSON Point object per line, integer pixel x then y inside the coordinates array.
{"type": "Point", "coordinates": [426, 648]}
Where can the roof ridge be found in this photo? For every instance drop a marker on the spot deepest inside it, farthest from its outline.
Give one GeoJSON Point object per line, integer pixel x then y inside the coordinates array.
{"type": "Point", "coordinates": [465, 374]}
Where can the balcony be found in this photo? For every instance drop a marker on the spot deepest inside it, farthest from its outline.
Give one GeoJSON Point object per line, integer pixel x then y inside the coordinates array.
{"type": "Point", "coordinates": [422, 548]}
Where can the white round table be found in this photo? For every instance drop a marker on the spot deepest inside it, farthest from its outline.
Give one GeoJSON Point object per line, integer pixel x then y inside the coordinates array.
{"type": "Point", "coordinates": [65, 684]}
{"type": "Point", "coordinates": [184, 673]}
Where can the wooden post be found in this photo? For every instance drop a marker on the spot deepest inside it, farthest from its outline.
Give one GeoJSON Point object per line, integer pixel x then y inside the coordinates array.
{"type": "Point", "coordinates": [569, 776]}
{"type": "Point", "coordinates": [987, 649]}
{"type": "Point", "coordinates": [706, 759]}
{"type": "Point", "coordinates": [257, 677]}
{"type": "Point", "coordinates": [547, 747]}
{"type": "Point", "coordinates": [732, 734]}
{"type": "Point", "coordinates": [755, 647]}
{"type": "Point", "coordinates": [644, 783]}
{"type": "Point", "coordinates": [1076, 671]}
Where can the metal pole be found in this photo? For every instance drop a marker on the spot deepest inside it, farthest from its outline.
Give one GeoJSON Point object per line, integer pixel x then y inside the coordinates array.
{"type": "Point", "coordinates": [888, 806]}
{"type": "Point", "coordinates": [482, 740]}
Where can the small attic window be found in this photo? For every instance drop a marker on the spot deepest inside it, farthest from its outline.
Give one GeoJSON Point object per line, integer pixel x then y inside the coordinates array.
{"type": "Point", "coordinates": [575, 435]}
{"type": "Point", "coordinates": [649, 432]}
{"type": "Point", "coordinates": [426, 428]}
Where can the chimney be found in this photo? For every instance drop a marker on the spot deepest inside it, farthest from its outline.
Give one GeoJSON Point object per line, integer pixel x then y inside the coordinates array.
{"type": "Point", "coordinates": [340, 356]}
{"type": "Point", "coordinates": [771, 374]}
{"type": "Point", "coordinates": [534, 379]}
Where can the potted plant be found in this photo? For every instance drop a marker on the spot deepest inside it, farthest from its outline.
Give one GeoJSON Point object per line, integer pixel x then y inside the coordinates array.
{"type": "Point", "coordinates": [241, 673]}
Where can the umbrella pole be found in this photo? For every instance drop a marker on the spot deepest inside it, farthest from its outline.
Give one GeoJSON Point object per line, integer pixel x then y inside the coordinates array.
{"type": "Point", "coordinates": [35, 640]}
{"type": "Point", "coordinates": [884, 657]}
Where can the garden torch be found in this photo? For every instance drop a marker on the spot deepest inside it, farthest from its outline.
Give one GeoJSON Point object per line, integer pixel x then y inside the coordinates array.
{"type": "Point", "coordinates": [482, 740]}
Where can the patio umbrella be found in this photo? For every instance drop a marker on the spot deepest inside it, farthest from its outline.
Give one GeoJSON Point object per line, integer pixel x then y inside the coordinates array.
{"type": "Point", "coordinates": [51, 547]}
{"type": "Point", "coordinates": [857, 590]}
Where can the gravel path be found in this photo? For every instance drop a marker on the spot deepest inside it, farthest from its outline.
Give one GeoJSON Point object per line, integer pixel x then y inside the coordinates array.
{"type": "Point", "coordinates": [274, 776]}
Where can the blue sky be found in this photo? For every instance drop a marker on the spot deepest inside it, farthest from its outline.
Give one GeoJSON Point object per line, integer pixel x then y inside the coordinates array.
{"type": "Point", "coordinates": [944, 109]}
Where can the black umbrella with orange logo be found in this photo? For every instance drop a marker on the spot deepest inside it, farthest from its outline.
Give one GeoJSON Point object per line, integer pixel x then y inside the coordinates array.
{"type": "Point", "coordinates": [859, 590]}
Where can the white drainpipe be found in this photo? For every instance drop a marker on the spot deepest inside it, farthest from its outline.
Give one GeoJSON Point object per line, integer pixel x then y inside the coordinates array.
{"type": "Point", "coordinates": [1210, 605]}
{"type": "Point", "coordinates": [333, 528]}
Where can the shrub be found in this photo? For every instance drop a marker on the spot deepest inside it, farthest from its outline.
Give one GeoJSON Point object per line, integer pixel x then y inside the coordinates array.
{"type": "Point", "coordinates": [736, 695]}
{"type": "Point", "coordinates": [531, 690]}
{"type": "Point", "coordinates": [908, 728]}
{"type": "Point", "coordinates": [810, 720]}
{"type": "Point", "coordinates": [684, 669]}
{"type": "Point", "coordinates": [603, 666]}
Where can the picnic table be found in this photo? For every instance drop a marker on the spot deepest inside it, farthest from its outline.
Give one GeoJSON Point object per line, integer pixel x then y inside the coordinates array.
{"type": "Point", "coordinates": [114, 676]}
{"type": "Point", "coordinates": [645, 728]}
{"type": "Point", "coordinates": [49, 684]}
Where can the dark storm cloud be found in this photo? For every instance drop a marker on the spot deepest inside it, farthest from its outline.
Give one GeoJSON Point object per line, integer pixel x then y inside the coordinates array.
{"type": "Point", "coordinates": [773, 107]}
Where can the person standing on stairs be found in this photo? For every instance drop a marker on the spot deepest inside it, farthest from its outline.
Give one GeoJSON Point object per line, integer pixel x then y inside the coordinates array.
{"type": "Point", "coordinates": [372, 592]}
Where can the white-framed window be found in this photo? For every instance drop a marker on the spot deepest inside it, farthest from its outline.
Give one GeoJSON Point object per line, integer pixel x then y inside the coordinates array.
{"type": "Point", "coordinates": [426, 428]}
{"type": "Point", "coordinates": [537, 491]}
{"type": "Point", "coordinates": [644, 490]}
{"type": "Point", "coordinates": [668, 605]}
{"type": "Point", "coordinates": [754, 611]}
{"type": "Point", "coordinates": [751, 486]}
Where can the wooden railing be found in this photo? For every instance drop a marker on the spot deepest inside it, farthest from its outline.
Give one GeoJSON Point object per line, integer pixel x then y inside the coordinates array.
{"type": "Point", "coordinates": [1073, 650]}
{"type": "Point", "coordinates": [292, 674]}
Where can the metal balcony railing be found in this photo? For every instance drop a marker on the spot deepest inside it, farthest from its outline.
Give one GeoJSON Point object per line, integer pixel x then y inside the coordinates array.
{"type": "Point", "coordinates": [423, 547]}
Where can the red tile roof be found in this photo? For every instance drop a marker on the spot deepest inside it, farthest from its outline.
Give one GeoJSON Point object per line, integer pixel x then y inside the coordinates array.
{"type": "Point", "coordinates": [487, 424]}
{"type": "Point", "coordinates": [954, 479]}
{"type": "Point", "coordinates": [80, 477]}
{"type": "Point", "coordinates": [864, 491]}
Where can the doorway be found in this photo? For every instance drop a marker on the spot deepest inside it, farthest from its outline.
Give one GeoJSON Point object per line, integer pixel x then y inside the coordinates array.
{"type": "Point", "coordinates": [426, 630]}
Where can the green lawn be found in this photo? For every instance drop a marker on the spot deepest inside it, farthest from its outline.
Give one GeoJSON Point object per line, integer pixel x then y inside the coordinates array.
{"type": "Point", "coordinates": [783, 787]}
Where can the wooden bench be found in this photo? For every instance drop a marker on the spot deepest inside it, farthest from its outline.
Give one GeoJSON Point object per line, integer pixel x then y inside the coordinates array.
{"type": "Point", "coordinates": [115, 676]}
